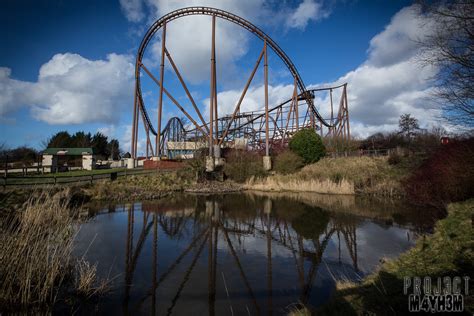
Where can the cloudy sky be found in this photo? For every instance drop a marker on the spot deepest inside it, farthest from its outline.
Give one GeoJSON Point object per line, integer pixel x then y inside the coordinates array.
{"type": "Point", "coordinates": [69, 65]}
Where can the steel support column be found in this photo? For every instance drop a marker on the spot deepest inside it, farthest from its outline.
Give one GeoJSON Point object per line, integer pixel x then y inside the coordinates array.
{"type": "Point", "coordinates": [212, 82]}
{"type": "Point", "coordinates": [265, 71]}
{"type": "Point", "coordinates": [160, 102]}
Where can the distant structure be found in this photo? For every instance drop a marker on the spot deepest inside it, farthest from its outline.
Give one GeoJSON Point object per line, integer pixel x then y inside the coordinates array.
{"type": "Point", "coordinates": [444, 140]}
{"type": "Point", "coordinates": [54, 159]}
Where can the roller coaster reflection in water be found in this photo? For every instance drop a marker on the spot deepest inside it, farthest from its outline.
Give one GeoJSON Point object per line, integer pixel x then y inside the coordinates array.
{"type": "Point", "coordinates": [259, 129]}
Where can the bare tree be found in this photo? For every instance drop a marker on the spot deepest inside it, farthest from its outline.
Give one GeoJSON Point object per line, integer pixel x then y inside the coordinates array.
{"type": "Point", "coordinates": [451, 49]}
{"type": "Point", "coordinates": [408, 125]}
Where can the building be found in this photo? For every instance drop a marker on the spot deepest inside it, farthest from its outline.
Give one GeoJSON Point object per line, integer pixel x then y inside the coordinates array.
{"type": "Point", "coordinates": [56, 159]}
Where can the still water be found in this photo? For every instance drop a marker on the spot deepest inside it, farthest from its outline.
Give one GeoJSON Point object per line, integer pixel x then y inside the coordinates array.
{"type": "Point", "coordinates": [239, 254]}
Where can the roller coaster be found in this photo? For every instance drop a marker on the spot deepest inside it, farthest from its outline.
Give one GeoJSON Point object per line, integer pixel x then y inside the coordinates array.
{"type": "Point", "coordinates": [256, 130]}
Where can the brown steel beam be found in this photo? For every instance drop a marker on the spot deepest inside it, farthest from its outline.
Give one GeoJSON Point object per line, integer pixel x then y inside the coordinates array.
{"type": "Point", "coordinates": [347, 113]}
{"type": "Point", "coordinates": [265, 72]}
{"type": "Point", "coordinates": [133, 149]}
{"type": "Point", "coordinates": [172, 99]}
{"type": "Point", "coordinates": [237, 107]}
{"type": "Point", "coordinates": [212, 90]}
{"type": "Point", "coordinates": [185, 88]}
{"type": "Point", "coordinates": [216, 117]}
{"type": "Point", "coordinates": [331, 130]}
{"type": "Point", "coordinates": [160, 102]}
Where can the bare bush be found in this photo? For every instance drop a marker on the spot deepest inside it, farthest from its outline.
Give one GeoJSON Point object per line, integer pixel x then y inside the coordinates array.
{"type": "Point", "coordinates": [241, 165]}
{"type": "Point", "coordinates": [288, 162]}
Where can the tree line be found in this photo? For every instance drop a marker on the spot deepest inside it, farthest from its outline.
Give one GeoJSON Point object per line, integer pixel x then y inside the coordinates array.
{"type": "Point", "coordinates": [99, 143]}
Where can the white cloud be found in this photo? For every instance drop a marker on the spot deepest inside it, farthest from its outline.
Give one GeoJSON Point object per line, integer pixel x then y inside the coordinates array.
{"type": "Point", "coordinates": [253, 101]}
{"type": "Point", "coordinates": [399, 41]}
{"type": "Point", "coordinates": [133, 10]}
{"type": "Point", "coordinates": [392, 82]}
{"type": "Point", "coordinates": [11, 92]}
{"type": "Point", "coordinates": [109, 131]}
{"type": "Point", "coordinates": [72, 90]}
{"type": "Point", "coordinates": [308, 10]}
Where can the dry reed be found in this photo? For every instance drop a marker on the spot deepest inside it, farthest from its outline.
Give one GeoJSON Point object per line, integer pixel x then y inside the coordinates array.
{"type": "Point", "coordinates": [348, 175]}
{"type": "Point", "coordinates": [35, 252]}
{"type": "Point", "coordinates": [86, 281]}
{"type": "Point", "coordinates": [285, 183]}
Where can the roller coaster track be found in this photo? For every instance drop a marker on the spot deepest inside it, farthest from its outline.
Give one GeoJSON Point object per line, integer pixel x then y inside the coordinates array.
{"type": "Point", "coordinates": [160, 24]}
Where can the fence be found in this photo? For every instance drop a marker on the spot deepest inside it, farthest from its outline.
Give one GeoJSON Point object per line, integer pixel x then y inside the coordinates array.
{"type": "Point", "coordinates": [362, 152]}
{"type": "Point", "coordinates": [73, 179]}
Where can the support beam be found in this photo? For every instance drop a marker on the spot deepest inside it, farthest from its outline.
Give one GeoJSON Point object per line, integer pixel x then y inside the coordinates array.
{"type": "Point", "coordinates": [173, 100]}
{"type": "Point", "coordinates": [212, 92]}
{"type": "Point", "coordinates": [347, 113]}
{"type": "Point", "coordinates": [147, 131]}
{"type": "Point", "coordinates": [295, 96]}
{"type": "Point", "coordinates": [265, 72]}
{"type": "Point", "coordinates": [332, 129]}
{"type": "Point", "coordinates": [160, 102]}
{"type": "Point", "coordinates": [216, 116]}
{"type": "Point", "coordinates": [133, 149]}
{"type": "Point", "coordinates": [134, 124]}
{"type": "Point", "coordinates": [237, 107]}
{"type": "Point", "coordinates": [186, 88]}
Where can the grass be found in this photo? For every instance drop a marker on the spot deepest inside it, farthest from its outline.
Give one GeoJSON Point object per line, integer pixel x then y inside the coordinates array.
{"type": "Point", "coordinates": [36, 263]}
{"type": "Point", "coordinates": [86, 282]}
{"type": "Point", "coordinates": [142, 187]}
{"type": "Point", "coordinates": [35, 252]}
{"type": "Point", "coordinates": [345, 175]}
{"type": "Point", "coordinates": [281, 183]}
{"type": "Point", "coordinates": [299, 310]}
{"type": "Point", "coordinates": [448, 252]}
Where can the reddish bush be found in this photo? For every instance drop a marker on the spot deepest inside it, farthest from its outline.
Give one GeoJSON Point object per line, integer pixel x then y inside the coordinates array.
{"type": "Point", "coordinates": [241, 165]}
{"type": "Point", "coordinates": [446, 176]}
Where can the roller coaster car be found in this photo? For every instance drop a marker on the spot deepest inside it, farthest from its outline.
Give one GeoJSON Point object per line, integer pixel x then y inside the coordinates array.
{"type": "Point", "coordinates": [302, 97]}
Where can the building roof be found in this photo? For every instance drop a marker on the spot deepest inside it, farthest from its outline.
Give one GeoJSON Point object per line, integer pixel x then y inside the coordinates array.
{"type": "Point", "coordinates": [78, 151]}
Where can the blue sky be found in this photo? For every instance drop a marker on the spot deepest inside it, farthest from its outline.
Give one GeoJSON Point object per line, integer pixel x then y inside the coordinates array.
{"type": "Point", "coordinates": [68, 65]}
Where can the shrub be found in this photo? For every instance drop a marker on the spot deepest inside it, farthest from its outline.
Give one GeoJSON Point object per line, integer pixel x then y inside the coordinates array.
{"type": "Point", "coordinates": [308, 145]}
{"type": "Point", "coordinates": [288, 162]}
{"type": "Point", "coordinates": [394, 159]}
{"type": "Point", "coordinates": [241, 165]}
{"type": "Point", "coordinates": [446, 176]}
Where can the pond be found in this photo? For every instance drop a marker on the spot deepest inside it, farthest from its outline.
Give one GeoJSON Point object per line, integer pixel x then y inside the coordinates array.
{"type": "Point", "coordinates": [239, 254]}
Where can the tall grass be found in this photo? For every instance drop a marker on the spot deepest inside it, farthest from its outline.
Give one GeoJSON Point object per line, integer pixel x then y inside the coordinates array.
{"type": "Point", "coordinates": [349, 175]}
{"type": "Point", "coordinates": [36, 261]}
{"type": "Point", "coordinates": [281, 183]}
{"type": "Point", "coordinates": [35, 252]}
{"type": "Point", "coordinates": [86, 281]}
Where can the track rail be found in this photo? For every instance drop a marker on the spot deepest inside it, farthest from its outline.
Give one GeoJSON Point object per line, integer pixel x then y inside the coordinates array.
{"type": "Point", "coordinates": [305, 94]}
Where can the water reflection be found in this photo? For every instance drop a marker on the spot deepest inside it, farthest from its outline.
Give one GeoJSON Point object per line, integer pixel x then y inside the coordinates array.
{"type": "Point", "coordinates": [233, 254]}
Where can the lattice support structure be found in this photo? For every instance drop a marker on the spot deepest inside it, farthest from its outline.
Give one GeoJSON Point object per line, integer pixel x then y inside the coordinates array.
{"type": "Point", "coordinates": [260, 130]}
